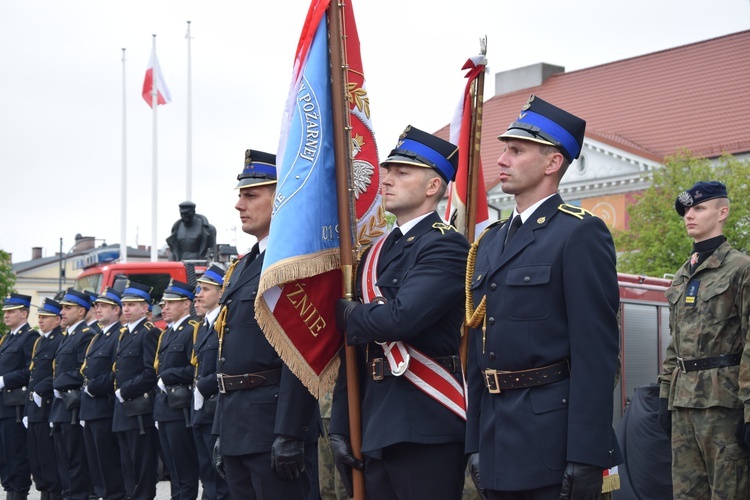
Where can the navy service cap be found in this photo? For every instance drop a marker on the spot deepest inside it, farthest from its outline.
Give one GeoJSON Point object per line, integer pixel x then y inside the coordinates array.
{"type": "Point", "coordinates": [259, 170]}
{"type": "Point", "coordinates": [214, 275]}
{"type": "Point", "coordinates": [420, 149]}
{"type": "Point", "coordinates": [136, 292]}
{"type": "Point", "coordinates": [16, 301]}
{"type": "Point", "coordinates": [110, 296]}
{"type": "Point", "coordinates": [177, 290]}
{"type": "Point", "coordinates": [541, 122]}
{"type": "Point", "coordinates": [75, 298]}
{"type": "Point", "coordinates": [702, 191]}
{"type": "Point", "coordinates": [50, 308]}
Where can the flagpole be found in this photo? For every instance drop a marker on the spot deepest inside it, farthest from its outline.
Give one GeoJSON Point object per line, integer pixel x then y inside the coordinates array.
{"type": "Point", "coordinates": [342, 153]}
{"type": "Point", "coordinates": [154, 190]}
{"type": "Point", "coordinates": [475, 140]}
{"type": "Point", "coordinates": [189, 166]}
{"type": "Point", "coordinates": [124, 174]}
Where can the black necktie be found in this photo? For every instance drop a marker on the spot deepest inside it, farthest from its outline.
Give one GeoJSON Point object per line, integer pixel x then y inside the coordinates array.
{"type": "Point", "coordinates": [254, 252]}
{"type": "Point", "coordinates": [391, 240]}
{"type": "Point", "coordinates": [514, 225]}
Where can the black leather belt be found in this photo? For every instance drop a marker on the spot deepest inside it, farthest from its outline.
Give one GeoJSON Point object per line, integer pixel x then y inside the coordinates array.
{"type": "Point", "coordinates": [694, 365]}
{"type": "Point", "coordinates": [248, 380]}
{"type": "Point", "coordinates": [497, 381]}
{"type": "Point", "coordinates": [379, 367]}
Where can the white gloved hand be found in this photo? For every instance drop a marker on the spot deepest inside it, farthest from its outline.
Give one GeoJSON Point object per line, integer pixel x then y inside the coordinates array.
{"type": "Point", "coordinates": [2, 383]}
{"type": "Point", "coordinates": [197, 399]}
{"type": "Point", "coordinates": [82, 422]}
{"type": "Point", "coordinates": [26, 422]}
{"type": "Point", "coordinates": [58, 394]}
{"type": "Point", "coordinates": [51, 425]}
{"type": "Point", "coordinates": [162, 386]}
{"type": "Point", "coordinates": [119, 396]}
{"type": "Point", "coordinates": [37, 399]}
{"type": "Point", "coordinates": [86, 390]}
{"type": "Point", "coordinates": [156, 424]}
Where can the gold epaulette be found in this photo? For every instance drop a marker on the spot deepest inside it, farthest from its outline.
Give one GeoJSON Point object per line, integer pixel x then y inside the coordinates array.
{"type": "Point", "coordinates": [443, 227]}
{"type": "Point", "coordinates": [574, 211]}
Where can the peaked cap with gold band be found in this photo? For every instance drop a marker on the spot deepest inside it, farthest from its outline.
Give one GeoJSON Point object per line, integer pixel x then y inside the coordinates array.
{"type": "Point", "coordinates": [541, 122]}
{"type": "Point", "coordinates": [75, 298]}
{"type": "Point", "coordinates": [110, 296]}
{"type": "Point", "coordinates": [420, 149]}
{"type": "Point", "coordinates": [136, 292]}
{"type": "Point", "coordinates": [50, 308]}
{"type": "Point", "coordinates": [259, 170]}
{"type": "Point", "coordinates": [16, 301]}
{"type": "Point", "coordinates": [177, 290]}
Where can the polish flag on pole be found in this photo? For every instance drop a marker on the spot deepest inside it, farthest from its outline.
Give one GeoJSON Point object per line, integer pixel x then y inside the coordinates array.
{"type": "Point", "coordinates": [155, 77]}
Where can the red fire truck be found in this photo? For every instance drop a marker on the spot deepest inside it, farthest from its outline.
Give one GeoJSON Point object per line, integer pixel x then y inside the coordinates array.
{"type": "Point", "coordinates": [644, 333]}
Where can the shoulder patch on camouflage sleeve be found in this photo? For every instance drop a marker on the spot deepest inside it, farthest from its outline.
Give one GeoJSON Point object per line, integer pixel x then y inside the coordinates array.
{"type": "Point", "coordinates": [574, 211]}
{"type": "Point", "coordinates": [443, 227]}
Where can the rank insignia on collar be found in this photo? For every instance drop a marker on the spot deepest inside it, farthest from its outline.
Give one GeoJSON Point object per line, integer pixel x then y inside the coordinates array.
{"type": "Point", "coordinates": [410, 239]}
{"type": "Point", "coordinates": [541, 220]}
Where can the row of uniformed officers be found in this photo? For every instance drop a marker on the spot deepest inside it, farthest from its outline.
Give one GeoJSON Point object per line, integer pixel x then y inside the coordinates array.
{"type": "Point", "coordinates": [88, 407]}
{"type": "Point", "coordinates": [542, 297]}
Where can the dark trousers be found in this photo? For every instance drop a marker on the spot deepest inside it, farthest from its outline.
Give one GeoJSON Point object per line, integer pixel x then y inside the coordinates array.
{"type": "Point", "coordinates": [42, 463]}
{"type": "Point", "coordinates": [250, 477]}
{"type": "Point", "coordinates": [178, 453]}
{"type": "Point", "coordinates": [138, 455]}
{"type": "Point", "coordinates": [545, 493]}
{"type": "Point", "coordinates": [69, 442]}
{"type": "Point", "coordinates": [214, 486]}
{"type": "Point", "coordinates": [103, 454]}
{"type": "Point", "coordinates": [411, 471]}
{"type": "Point", "coordinates": [14, 464]}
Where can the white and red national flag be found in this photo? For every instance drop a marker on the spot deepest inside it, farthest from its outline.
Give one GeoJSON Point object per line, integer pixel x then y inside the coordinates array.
{"type": "Point", "coordinates": [154, 77]}
{"type": "Point", "coordinates": [460, 135]}
{"type": "Point", "coordinates": [301, 276]}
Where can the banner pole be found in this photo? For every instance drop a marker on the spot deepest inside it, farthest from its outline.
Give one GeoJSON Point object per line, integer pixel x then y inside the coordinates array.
{"type": "Point", "coordinates": [342, 149]}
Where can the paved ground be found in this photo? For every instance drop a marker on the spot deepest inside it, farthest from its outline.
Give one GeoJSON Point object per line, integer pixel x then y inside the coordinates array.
{"type": "Point", "coordinates": [162, 492]}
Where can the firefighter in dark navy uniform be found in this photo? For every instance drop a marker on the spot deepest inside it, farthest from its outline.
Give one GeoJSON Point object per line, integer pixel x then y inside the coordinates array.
{"type": "Point", "coordinates": [97, 400]}
{"type": "Point", "coordinates": [135, 382]}
{"type": "Point", "coordinates": [41, 446]}
{"type": "Point", "coordinates": [66, 383]}
{"type": "Point", "coordinates": [15, 357]}
{"type": "Point", "coordinates": [414, 303]}
{"type": "Point", "coordinates": [265, 414]}
{"type": "Point", "coordinates": [543, 357]}
{"type": "Point", "coordinates": [206, 387]}
{"type": "Point", "coordinates": [172, 404]}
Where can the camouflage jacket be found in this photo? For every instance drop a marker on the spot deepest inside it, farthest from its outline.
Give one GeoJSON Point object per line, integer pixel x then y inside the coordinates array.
{"type": "Point", "coordinates": [710, 322]}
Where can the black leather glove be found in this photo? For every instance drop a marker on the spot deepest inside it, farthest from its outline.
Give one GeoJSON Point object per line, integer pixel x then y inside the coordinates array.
{"type": "Point", "coordinates": [343, 309]}
{"type": "Point", "coordinates": [665, 417]}
{"type": "Point", "coordinates": [288, 457]}
{"type": "Point", "coordinates": [218, 460]}
{"type": "Point", "coordinates": [582, 482]}
{"type": "Point", "coordinates": [344, 459]}
{"type": "Point", "coordinates": [474, 472]}
{"type": "Point", "coordinates": [743, 433]}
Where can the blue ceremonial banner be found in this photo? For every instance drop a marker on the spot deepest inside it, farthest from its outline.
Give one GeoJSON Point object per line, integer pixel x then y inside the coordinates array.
{"type": "Point", "coordinates": [301, 276]}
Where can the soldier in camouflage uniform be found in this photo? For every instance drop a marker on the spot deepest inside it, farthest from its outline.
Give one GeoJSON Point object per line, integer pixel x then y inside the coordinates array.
{"type": "Point", "coordinates": [705, 383]}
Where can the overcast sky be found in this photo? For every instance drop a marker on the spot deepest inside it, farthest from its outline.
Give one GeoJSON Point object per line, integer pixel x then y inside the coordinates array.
{"type": "Point", "coordinates": [62, 85]}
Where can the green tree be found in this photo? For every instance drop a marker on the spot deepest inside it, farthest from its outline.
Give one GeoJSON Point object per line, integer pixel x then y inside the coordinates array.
{"type": "Point", "coordinates": [7, 280]}
{"type": "Point", "coordinates": [656, 242]}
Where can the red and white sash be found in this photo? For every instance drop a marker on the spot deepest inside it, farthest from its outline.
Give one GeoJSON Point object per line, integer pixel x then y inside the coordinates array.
{"type": "Point", "coordinates": [427, 375]}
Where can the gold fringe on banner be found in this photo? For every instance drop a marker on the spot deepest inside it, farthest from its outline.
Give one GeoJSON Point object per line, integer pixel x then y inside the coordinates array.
{"type": "Point", "coordinates": [279, 274]}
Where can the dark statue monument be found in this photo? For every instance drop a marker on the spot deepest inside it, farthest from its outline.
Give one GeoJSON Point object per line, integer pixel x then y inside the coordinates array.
{"type": "Point", "coordinates": [192, 236]}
